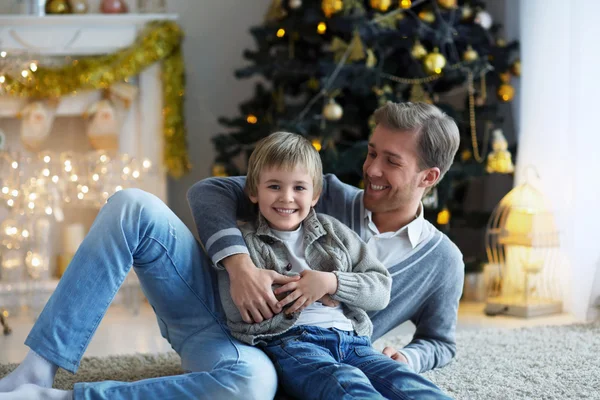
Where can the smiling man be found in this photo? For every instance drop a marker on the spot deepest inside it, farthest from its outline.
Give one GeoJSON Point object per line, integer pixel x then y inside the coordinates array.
{"type": "Point", "coordinates": [410, 150]}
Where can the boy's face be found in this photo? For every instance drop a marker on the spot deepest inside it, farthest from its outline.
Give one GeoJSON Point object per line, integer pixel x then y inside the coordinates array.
{"type": "Point", "coordinates": [285, 197]}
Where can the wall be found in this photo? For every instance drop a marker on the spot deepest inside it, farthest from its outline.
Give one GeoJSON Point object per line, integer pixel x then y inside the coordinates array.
{"type": "Point", "coordinates": [216, 36]}
{"type": "Point", "coordinates": [559, 130]}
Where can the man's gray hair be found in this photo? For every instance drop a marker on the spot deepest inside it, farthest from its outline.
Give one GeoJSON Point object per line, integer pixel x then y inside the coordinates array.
{"type": "Point", "coordinates": [438, 137]}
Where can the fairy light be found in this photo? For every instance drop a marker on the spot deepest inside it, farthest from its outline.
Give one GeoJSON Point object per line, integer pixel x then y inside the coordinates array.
{"type": "Point", "coordinates": [48, 210]}
{"type": "Point", "coordinates": [47, 159]}
{"type": "Point", "coordinates": [55, 179]}
{"type": "Point", "coordinates": [15, 165]}
{"type": "Point", "coordinates": [85, 189]}
{"type": "Point", "coordinates": [95, 177]}
{"type": "Point", "coordinates": [5, 190]}
{"type": "Point", "coordinates": [46, 172]}
{"type": "Point", "coordinates": [10, 202]}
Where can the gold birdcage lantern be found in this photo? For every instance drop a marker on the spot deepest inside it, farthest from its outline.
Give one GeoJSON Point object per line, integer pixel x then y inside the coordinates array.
{"type": "Point", "coordinates": [522, 244]}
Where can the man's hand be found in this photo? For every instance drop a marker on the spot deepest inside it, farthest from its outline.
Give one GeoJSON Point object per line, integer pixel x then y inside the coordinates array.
{"type": "Point", "coordinates": [394, 354]}
{"type": "Point", "coordinates": [312, 286]}
{"type": "Point", "coordinates": [251, 290]}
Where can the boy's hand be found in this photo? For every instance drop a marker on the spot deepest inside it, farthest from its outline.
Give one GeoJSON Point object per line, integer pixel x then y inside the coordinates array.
{"type": "Point", "coordinates": [312, 286]}
{"type": "Point", "coordinates": [328, 301]}
{"type": "Point", "coordinates": [250, 288]}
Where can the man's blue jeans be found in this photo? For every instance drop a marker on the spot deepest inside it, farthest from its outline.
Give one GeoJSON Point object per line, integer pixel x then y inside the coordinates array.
{"type": "Point", "coordinates": [318, 363]}
{"type": "Point", "coordinates": [136, 229]}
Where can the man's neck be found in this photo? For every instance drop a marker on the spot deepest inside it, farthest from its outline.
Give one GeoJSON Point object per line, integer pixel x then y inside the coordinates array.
{"type": "Point", "coordinates": [391, 221]}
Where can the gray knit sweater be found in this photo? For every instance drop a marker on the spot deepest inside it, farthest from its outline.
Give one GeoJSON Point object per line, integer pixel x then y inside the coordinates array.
{"type": "Point", "coordinates": [363, 282]}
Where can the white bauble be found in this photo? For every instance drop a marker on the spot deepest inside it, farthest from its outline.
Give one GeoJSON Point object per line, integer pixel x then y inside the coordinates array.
{"type": "Point", "coordinates": [484, 19]}
{"type": "Point", "coordinates": [333, 111]}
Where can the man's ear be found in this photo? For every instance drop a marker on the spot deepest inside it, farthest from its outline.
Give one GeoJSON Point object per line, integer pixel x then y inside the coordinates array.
{"type": "Point", "coordinates": [431, 177]}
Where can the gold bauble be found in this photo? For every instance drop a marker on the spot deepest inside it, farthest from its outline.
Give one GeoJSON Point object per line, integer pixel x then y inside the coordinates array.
{"type": "Point", "coordinates": [506, 92]}
{"type": "Point", "coordinates": [418, 51]}
{"type": "Point", "coordinates": [333, 111]}
{"type": "Point", "coordinates": [470, 54]}
{"type": "Point", "coordinates": [58, 7]}
{"type": "Point", "coordinates": [427, 16]}
{"type": "Point", "coordinates": [405, 4]}
{"type": "Point", "coordinates": [219, 170]}
{"type": "Point", "coordinates": [515, 68]}
{"type": "Point", "coordinates": [381, 5]}
{"type": "Point", "coordinates": [467, 12]}
{"type": "Point", "coordinates": [331, 7]}
{"type": "Point", "coordinates": [434, 62]}
{"type": "Point", "coordinates": [504, 77]}
{"type": "Point", "coordinates": [443, 217]}
{"type": "Point", "coordinates": [447, 3]}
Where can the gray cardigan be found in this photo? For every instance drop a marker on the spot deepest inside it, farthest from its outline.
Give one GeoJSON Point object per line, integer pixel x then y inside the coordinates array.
{"type": "Point", "coordinates": [364, 284]}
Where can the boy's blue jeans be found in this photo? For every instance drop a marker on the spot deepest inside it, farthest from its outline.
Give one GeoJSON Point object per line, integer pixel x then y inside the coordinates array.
{"type": "Point", "coordinates": [318, 363]}
{"type": "Point", "coordinates": [137, 229]}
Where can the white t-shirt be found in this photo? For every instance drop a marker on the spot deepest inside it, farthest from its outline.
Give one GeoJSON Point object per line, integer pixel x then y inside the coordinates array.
{"type": "Point", "coordinates": [316, 314]}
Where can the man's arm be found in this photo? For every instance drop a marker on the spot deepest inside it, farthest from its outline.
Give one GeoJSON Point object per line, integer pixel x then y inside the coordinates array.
{"type": "Point", "coordinates": [433, 344]}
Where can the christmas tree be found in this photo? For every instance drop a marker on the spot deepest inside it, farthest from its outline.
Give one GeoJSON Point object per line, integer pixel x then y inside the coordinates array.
{"type": "Point", "coordinates": [328, 64]}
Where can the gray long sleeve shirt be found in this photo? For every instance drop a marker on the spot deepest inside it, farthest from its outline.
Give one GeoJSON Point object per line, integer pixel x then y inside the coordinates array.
{"type": "Point", "coordinates": [426, 287]}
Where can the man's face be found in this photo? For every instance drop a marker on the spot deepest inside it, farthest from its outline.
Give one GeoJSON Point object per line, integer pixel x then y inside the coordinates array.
{"type": "Point", "coordinates": [391, 171]}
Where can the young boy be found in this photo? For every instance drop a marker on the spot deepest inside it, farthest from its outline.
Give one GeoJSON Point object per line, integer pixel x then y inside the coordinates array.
{"type": "Point", "coordinates": [320, 352]}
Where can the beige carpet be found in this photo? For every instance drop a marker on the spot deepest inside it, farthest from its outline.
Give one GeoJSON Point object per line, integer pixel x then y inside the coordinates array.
{"type": "Point", "coordinates": [561, 362]}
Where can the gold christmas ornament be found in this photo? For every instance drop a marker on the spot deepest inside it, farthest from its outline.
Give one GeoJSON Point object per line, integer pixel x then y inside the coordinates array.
{"type": "Point", "coordinates": [159, 41]}
{"type": "Point", "coordinates": [333, 111]}
{"type": "Point", "coordinates": [251, 119]}
{"type": "Point", "coordinates": [470, 54]}
{"type": "Point", "coordinates": [499, 160]}
{"type": "Point", "coordinates": [317, 144]}
{"type": "Point", "coordinates": [295, 4]}
{"type": "Point", "coordinates": [276, 11]}
{"type": "Point", "coordinates": [506, 92]}
{"type": "Point", "coordinates": [219, 170]}
{"type": "Point", "coordinates": [381, 5]}
{"type": "Point", "coordinates": [466, 155]}
{"type": "Point", "coordinates": [447, 3]}
{"type": "Point", "coordinates": [443, 217]}
{"type": "Point", "coordinates": [515, 68]}
{"type": "Point", "coordinates": [331, 7]}
{"type": "Point", "coordinates": [418, 51]}
{"type": "Point", "coordinates": [434, 62]}
{"type": "Point", "coordinates": [339, 47]}
{"type": "Point", "coordinates": [405, 4]}
{"type": "Point", "coordinates": [58, 7]}
{"type": "Point", "coordinates": [467, 12]}
{"type": "Point", "coordinates": [427, 16]}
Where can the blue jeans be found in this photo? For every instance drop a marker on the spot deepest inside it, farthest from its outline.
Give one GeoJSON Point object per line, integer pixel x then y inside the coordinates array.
{"type": "Point", "coordinates": [136, 229]}
{"type": "Point", "coordinates": [317, 363]}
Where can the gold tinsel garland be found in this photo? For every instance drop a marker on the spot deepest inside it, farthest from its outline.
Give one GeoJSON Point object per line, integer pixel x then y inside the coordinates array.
{"type": "Point", "coordinates": [160, 41]}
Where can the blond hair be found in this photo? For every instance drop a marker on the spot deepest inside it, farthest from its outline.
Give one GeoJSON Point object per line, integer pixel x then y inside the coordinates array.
{"type": "Point", "coordinates": [287, 151]}
{"type": "Point", "coordinates": [437, 134]}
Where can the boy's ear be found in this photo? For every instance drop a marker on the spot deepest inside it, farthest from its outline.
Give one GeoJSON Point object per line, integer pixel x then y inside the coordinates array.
{"type": "Point", "coordinates": [315, 199]}
{"type": "Point", "coordinates": [253, 199]}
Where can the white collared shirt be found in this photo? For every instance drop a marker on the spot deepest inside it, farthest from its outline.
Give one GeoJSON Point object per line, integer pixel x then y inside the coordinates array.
{"type": "Point", "coordinates": [392, 247]}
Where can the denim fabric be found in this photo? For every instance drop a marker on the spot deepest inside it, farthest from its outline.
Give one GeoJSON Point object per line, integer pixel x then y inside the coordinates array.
{"type": "Point", "coordinates": [136, 229]}
{"type": "Point", "coordinates": [318, 363]}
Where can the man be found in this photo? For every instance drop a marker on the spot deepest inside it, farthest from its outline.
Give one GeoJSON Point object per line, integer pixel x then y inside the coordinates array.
{"type": "Point", "coordinates": [410, 150]}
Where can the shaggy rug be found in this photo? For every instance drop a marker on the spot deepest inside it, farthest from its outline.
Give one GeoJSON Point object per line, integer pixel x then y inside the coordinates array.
{"type": "Point", "coordinates": [556, 362]}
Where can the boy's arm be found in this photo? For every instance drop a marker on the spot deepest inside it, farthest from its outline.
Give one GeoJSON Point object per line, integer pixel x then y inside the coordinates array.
{"type": "Point", "coordinates": [433, 344]}
{"type": "Point", "coordinates": [368, 284]}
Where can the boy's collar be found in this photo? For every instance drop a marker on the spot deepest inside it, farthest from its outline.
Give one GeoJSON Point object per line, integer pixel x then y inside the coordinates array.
{"type": "Point", "coordinates": [313, 229]}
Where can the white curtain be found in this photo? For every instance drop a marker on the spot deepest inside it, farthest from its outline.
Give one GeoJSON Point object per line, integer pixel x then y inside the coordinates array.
{"type": "Point", "coordinates": [560, 131]}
